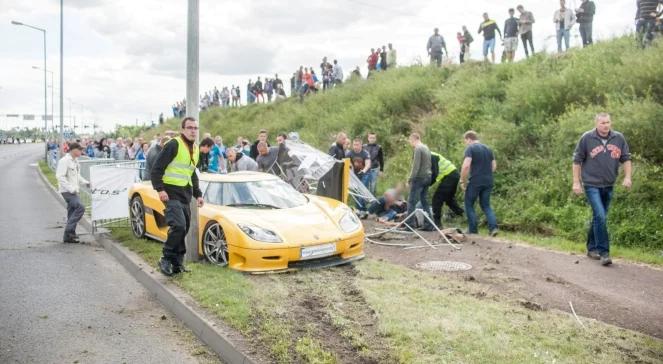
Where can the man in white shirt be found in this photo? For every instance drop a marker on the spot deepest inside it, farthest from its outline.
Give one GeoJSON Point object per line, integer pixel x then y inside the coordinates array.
{"type": "Point", "coordinates": [69, 178]}
{"type": "Point", "coordinates": [564, 20]}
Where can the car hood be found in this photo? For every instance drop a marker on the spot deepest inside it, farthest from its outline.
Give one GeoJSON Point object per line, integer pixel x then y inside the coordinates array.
{"type": "Point", "coordinates": [310, 224]}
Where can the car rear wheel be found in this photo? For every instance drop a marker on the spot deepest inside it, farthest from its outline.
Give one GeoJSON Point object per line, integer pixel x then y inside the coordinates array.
{"type": "Point", "coordinates": [137, 217]}
{"type": "Point", "coordinates": [215, 246]}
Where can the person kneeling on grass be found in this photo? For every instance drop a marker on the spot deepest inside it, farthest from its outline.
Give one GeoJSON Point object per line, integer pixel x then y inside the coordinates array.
{"type": "Point", "coordinates": [389, 207]}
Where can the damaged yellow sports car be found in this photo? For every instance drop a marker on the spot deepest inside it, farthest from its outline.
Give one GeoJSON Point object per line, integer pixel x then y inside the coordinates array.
{"type": "Point", "coordinates": [256, 222]}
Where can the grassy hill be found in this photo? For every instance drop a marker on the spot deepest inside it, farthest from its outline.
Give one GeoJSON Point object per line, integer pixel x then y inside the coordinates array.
{"type": "Point", "coordinates": [531, 113]}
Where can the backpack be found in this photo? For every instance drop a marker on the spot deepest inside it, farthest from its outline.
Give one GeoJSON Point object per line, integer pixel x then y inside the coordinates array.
{"type": "Point", "coordinates": [468, 38]}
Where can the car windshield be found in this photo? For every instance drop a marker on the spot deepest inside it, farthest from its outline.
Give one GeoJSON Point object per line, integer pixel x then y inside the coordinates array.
{"type": "Point", "coordinates": [274, 194]}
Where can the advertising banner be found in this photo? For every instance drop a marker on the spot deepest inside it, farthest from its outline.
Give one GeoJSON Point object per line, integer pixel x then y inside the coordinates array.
{"type": "Point", "coordinates": [109, 187]}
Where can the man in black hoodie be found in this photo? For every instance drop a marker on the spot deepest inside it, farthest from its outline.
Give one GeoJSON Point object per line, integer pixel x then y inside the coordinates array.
{"type": "Point", "coordinates": [262, 137]}
{"type": "Point", "coordinates": [510, 36]}
{"type": "Point", "coordinates": [377, 161]}
{"type": "Point", "coordinates": [174, 177]}
{"type": "Point", "coordinates": [585, 17]}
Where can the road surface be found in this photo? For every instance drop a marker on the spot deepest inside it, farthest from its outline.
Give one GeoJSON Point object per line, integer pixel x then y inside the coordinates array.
{"type": "Point", "coordinates": [70, 303]}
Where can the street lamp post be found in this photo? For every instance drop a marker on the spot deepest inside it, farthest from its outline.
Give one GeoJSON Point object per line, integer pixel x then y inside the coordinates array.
{"type": "Point", "coordinates": [45, 87]}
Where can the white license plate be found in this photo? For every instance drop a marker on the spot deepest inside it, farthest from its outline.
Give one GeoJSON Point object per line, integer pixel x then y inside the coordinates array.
{"type": "Point", "coordinates": [318, 251]}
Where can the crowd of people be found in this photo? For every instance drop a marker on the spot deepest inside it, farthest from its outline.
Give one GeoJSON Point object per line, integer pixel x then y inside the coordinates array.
{"type": "Point", "coordinates": [429, 169]}
{"type": "Point", "coordinates": [597, 158]}
{"type": "Point", "coordinates": [564, 20]}
{"type": "Point", "coordinates": [517, 27]}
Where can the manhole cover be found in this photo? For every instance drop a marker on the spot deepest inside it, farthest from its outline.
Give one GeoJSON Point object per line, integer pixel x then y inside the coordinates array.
{"type": "Point", "coordinates": [443, 266]}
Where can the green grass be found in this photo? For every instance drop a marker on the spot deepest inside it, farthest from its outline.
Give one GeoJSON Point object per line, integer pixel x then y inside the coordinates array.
{"type": "Point", "coordinates": [233, 297]}
{"type": "Point", "coordinates": [531, 113]}
{"type": "Point", "coordinates": [48, 173]}
{"type": "Point", "coordinates": [390, 313]}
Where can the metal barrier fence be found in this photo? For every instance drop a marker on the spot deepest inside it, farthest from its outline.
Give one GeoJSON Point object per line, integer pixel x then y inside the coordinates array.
{"type": "Point", "coordinates": [86, 165]}
{"type": "Point", "coordinates": [52, 159]}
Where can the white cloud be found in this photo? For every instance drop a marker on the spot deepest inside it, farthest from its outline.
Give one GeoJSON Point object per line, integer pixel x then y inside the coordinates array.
{"type": "Point", "coordinates": [125, 60]}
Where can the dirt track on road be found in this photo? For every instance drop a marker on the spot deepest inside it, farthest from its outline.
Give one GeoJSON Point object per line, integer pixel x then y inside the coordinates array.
{"type": "Point", "coordinates": [624, 294]}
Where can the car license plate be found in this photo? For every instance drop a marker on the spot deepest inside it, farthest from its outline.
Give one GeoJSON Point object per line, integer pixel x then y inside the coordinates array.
{"type": "Point", "coordinates": [318, 251]}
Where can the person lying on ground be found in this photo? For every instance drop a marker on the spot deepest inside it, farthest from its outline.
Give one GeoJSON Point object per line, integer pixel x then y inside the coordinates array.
{"type": "Point", "coordinates": [389, 207]}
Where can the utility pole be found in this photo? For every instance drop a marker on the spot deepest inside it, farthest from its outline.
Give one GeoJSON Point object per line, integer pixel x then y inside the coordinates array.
{"type": "Point", "coordinates": [61, 76]}
{"type": "Point", "coordinates": [192, 92]}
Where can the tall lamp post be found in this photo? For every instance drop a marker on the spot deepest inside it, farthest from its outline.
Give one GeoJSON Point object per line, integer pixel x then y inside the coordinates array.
{"type": "Point", "coordinates": [52, 98]}
{"type": "Point", "coordinates": [45, 87]}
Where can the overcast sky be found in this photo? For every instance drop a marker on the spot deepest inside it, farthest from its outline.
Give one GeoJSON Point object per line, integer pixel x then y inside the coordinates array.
{"type": "Point", "coordinates": [125, 60]}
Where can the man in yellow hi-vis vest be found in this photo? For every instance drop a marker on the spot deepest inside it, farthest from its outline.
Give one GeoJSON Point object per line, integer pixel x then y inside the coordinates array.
{"type": "Point", "coordinates": [174, 177]}
{"type": "Point", "coordinates": [446, 175]}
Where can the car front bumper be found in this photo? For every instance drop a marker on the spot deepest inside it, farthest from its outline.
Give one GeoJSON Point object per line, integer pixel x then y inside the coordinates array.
{"type": "Point", "coordinates": [285, 259]}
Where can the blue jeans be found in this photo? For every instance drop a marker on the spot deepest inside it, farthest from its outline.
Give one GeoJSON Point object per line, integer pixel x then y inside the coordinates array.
{"type": "Point", "coordinates": [562, 34]}
{"type": "Point", "coordinates": [488, 44]}
{"type": "Point", "coordinates": [599, 199]}
{"type": "Point", "coordinates": [483, 194]}
{"type": "Point", "coordinates": [373, 181]}
{"type": "Point", "coordinates": [362, 204]}
{"type": "Point", "coordinates": [418, 194]}
{"type": "Point", "coordinates": [586, 33]}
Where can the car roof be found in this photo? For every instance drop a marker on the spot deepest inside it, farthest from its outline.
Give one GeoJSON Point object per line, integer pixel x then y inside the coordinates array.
{"type": "Point", "coordinates": [244, 176]}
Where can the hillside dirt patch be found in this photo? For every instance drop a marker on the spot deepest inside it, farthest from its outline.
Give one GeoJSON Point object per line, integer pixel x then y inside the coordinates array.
{"type": "Point", "coordinates": [625, 294]}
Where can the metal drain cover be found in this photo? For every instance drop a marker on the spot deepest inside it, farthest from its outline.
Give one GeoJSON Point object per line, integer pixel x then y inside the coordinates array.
{"type": "Point", "coordinates": [443, 266]}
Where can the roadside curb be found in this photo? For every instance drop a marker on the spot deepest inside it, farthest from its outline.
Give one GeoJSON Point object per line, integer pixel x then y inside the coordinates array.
{"type": "Point", "coordinates": [174, 299]}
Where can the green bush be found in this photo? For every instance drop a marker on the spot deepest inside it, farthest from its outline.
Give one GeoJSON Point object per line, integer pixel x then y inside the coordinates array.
{"type": "Point", "coordinates": [531, 113]}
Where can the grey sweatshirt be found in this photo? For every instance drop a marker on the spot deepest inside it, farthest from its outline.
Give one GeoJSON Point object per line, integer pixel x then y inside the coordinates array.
{"type": "Point", "coordinates": [600, 161]}
{"type": "Point", "coordinates": [244, 163]}
{"type": "Point", "coordinates": [421, 163]}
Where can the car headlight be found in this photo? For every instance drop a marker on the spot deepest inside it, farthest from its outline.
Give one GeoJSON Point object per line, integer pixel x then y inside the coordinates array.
{"type": "Point", "coordinates": [260, 234]}
{"type": "Point", "coordinates": [349, 222]}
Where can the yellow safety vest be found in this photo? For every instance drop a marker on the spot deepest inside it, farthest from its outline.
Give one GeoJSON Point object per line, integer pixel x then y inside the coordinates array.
{"type": "Point", "coordinates": [180, 169]}
{"type": "Point", "coordinates": [445, 167]}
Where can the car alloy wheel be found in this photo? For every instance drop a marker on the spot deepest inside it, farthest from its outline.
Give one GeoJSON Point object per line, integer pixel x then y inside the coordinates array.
{"type": "Point", "coordinates": [215, 246]}
{"type": "Point", "coordinates": [137, 217]}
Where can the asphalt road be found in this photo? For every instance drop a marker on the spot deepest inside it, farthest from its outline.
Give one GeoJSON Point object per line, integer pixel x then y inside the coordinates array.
{"type": "Point", "coordinates": [70, 303]}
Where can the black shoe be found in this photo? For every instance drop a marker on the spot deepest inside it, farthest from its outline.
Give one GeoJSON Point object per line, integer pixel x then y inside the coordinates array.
{"type": "Point", "coordinates": [593, 254]}
{"type": "Point", "coordinates": [166, 267]}
{"type": "Point", "coordinates": [427, 227]}
{"type": "Point", "coordinates": [180, 269]}
{"type": "Point", "coordinates": [71, 240]}
{"type": "Point", "coordinates": [494, 232]}
{"type": "Point", "coordinates": [605, 259]}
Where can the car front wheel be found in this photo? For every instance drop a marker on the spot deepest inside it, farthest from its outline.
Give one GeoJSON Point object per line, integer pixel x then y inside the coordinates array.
{"type": "Point", "coordinates": [137, 217]}
{"type": "Point", "coordinates": [215, 246]}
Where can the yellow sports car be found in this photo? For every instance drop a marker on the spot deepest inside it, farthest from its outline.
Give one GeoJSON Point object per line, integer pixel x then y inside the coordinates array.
{"type": "Point", "coordinates": [256, 222]}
